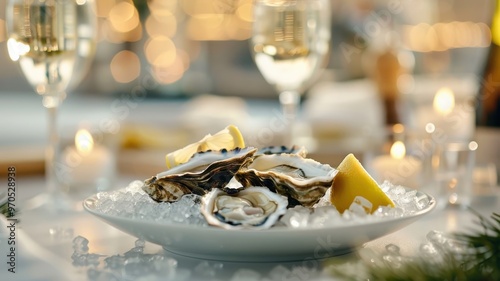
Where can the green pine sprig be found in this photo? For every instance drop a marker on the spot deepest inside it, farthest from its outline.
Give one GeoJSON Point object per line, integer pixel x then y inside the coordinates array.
{"type": "Point", "coordinates": [477, 258]}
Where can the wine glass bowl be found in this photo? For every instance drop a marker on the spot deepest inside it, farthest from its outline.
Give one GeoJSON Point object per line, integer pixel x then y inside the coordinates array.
{"type": "Point", "coordinates": [87, 42]}
{"type": "Point", "coordinates": [290, 43]}
{"type": "Point", "coordinates": [43, 40]}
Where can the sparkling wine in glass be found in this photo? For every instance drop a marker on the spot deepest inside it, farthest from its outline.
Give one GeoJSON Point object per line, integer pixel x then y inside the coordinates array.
{"type": "Point", "coordinates": [290, 43]}
{"type": "Point", "coordinates": [42, 39]}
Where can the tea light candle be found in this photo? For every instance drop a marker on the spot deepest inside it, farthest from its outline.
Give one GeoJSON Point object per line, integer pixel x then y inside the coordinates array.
{"type": "Point", "coordinates": [86, 160]}
{"type": "Point", "coordinates": [397, 167]}
{"type": "Point", "coordinates": [455, 121]}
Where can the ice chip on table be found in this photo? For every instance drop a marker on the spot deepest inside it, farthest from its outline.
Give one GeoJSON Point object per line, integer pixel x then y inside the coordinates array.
{"type": "Point", "coordinates": [279, 272]}
{"type": "Point", "coordinates": [114, 262]}
{"type": "Point", "coordinates": [392, 249]}
{"type": "Point", "coordinates": [246, 275]}
{"type": "Point", "coordinates": [140, 243]}
{"type": "Point", "coordinates": [80, 245]}
{"type": "Point", "coordinates": [61, 233]}
{"type": "Point", "coordinates": [436, 237]}
{"type": "Point", "coordinates": [205, 269]}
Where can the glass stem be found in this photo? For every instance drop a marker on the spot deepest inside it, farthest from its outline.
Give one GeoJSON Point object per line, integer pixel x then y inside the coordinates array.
{"type": "Point", "coordinates": [52, 152]}
{"type": "Point", "coordinates": [289, 102]}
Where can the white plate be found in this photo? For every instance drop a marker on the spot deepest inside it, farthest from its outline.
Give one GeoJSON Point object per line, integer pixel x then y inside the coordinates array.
{"type": "Point", "coordinates": [276, 244]}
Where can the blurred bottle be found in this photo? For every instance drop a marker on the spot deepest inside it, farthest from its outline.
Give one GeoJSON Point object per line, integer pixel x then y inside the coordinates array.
{"type": "Point", "coordinates": [389, 65]}
{"type": "Point", "coordinates": [488, 99]}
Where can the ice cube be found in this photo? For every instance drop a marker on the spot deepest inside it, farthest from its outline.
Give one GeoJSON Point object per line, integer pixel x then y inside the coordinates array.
{"type": "Point", "coordinates": [436, 237]}
{"type": "Point", "coordinates": [279, 273]}
{"type": "Point", "coordinates": [61, 233]}
{"type": "Point", "coordinates": [140, 243]}
{"type": "Point", "coordinates": [392, 249]}
{"type": "Point", "coordinates": [114, 262]}
{"type": "Point", "coordinates": [244, 274]}
{"type": "Point", "coordinates": [80, 245]}
{"type": "Point", "coordinates": [421, 201]}
{"type": "Point", "coordinates": [361, 206]}
{"type": "Point", "coordinates": [323, 216]}
{"type": "Point", "coordinates": [205, 269]}
{"type": "Point", "coordinates": [296, 217]}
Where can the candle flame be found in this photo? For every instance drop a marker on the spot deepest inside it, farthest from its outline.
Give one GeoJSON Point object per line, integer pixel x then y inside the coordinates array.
{"type": "Point", "coordinates": [84, 142]}
{"type": "Point", "coordinates": [444, 101]}
{"type": "Point", "coordinates": [398, 150]}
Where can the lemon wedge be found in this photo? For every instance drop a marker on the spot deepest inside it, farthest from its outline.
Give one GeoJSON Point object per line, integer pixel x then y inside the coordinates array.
{"type": "Point", "coordinates": [353, 180]}
{"type": "Point", "coordinates": [229, 138]}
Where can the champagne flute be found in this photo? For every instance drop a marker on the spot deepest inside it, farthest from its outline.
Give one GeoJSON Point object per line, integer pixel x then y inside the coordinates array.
{"type": "Point", "coordinates": [43, 39]}
{"type": "Point", "coordinates": [290, 43]}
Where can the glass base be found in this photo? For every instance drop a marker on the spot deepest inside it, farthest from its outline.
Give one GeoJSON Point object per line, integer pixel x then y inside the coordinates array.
{"type": "Point", "coordinates": [52, 202]}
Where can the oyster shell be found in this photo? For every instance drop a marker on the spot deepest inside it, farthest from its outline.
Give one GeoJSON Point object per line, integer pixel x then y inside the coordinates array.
{"type": "Point", "coordinates": [303, 181]}
{"type": "Point", "coordinates": [295, 149]}
{"type": "Point", "coordinates": [253, 207]}
{"type": "Point", "coordinates": [204, 171]}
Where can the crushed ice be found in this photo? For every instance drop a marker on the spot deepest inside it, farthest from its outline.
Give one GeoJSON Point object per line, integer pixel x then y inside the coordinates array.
{"type": "Point", "coordinates": [407, 201]}
{"type": "Point", "coordinates": [132, 202]}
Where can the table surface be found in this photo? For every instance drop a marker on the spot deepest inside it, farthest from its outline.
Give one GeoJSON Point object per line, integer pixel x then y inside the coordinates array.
{"type": "Point", "coordinates": [45, 240]}
{"type": "Point", "coordinates": [44, 246]}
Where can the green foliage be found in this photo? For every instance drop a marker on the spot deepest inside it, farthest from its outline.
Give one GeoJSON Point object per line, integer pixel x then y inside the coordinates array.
{"type": "Point", "coordinates": [462, 257]}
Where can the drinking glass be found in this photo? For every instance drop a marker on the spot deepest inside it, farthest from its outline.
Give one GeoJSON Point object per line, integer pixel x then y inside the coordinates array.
{"type": "Point", "coordinates": [43, 40]}
{"type": "Point", "coordinates": [290, 43]}
{"type": "Point", "coordinates": [454, 165]}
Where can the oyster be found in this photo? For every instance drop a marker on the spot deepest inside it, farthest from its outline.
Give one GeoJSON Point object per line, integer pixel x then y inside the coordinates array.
{"type": "Point", "coordinates": [204, 171]}
{"type": "Point", "coordinates": [253, 207]}
{"type": "Point", "coordinates": [303, 181]}
{"type": "Point", "coordinates": [295, 149]}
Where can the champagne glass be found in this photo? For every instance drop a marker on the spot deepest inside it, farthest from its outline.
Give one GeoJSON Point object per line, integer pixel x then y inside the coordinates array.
{"type": "Point", "coordinates": [43, 39]}
{"type": "Point", "coordinates": [290, 43]}
{"type": "Point", "coordinates": [87, 41]}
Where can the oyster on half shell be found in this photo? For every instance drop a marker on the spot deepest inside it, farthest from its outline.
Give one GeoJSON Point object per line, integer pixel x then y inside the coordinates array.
{"type": "Point", "coordinates": [303, 181]}
{"type": "Point", "coordinates": [251, 208]}
{"type": "Point", "coordinates": [203, 172]}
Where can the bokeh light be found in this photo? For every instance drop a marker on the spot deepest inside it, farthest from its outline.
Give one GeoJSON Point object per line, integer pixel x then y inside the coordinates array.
{"type": "Point", "coordinates": [171, 73]}
{"type": "Point", "coordinates": [104, 7]}
{"type": "Point", "coordinates": [441, 36]}
{"type": "Point", "coordinates": [2, 30]}
{"type": "Point", "coordinates": [160, 50]}
{"type": "Point", "coordinates": [124, 17]}
{"type": "Point", "coordinates": [166, 25]}
{"type": "Point", "coordinates": [125, 66]}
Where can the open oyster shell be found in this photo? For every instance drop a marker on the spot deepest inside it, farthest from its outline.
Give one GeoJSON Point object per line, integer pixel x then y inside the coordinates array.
{"type": "Point", "coordinates": [253, 207]}
{"type": "Point", "coordinates": [303, 181]}
{"type": "Point", "coordinates": [203, 172]}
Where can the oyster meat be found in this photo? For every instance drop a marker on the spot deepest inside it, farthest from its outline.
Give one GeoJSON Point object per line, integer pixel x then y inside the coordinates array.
{"type": "Point", "coordinates": [203, 172]}
{"type": "Point", "coordinates": [253, 207]}
{"type": "Point", "coordinates": [304, 181]}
